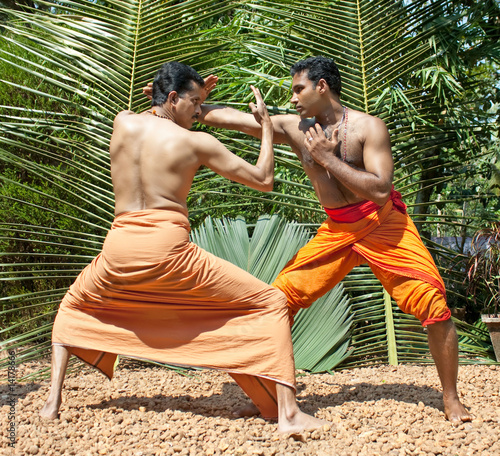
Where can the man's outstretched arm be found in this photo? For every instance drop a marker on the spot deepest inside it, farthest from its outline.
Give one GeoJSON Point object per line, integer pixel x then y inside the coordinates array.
{"type": "Point", "coordinates": [220, 116]}
{"type": "Point", "coordinates": [233, 119]}
{"type": "Point", "coordinates": [217, 157]}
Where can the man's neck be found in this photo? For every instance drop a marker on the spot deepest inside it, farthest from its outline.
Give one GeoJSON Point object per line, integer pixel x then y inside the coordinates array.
{"type": "Point", "coordinates": [163, 112]}
{"type": "Point", "coordinates": [332, 115]}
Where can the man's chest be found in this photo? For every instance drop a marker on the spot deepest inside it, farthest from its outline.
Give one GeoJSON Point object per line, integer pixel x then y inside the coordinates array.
{"type": "Point", "coordinates": [349, 152]}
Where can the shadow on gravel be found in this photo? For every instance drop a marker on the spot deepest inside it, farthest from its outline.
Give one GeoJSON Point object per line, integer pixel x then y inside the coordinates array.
{"type": "Point", "coordinates": [221, 405]}
{"type": "Point", "coordinates": [16, 391]}
{"type": "Point", "coordinates": [232, 398]}
{"type": "Point", "coordinates": [366, 392]}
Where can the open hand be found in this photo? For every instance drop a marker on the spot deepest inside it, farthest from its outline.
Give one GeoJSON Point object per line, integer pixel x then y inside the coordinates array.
{"type": "Point", "coordinates": [259, 110]}
{"type": "Point", "coordinates": [319, 146]}
{"type": "Point", "coordinates": [148, 90]}
{"type": "Point", "coordinates": [210, 83]}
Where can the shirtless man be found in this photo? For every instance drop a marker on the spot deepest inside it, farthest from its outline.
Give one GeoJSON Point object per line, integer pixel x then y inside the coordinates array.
{"type": "Point", "coordinates": [151, 293]}
{"type": "Point", "coordinates": [347, 156]}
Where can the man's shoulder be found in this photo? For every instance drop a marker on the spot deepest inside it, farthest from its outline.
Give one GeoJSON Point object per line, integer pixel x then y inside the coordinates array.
{"type": "Point", "coordinates": [124, 114]}
{"type": "Point", "coordinates": [122, 117]}
{"type": "Point", "coordinates": [365, 117]}
{"type": "Point", "coordinates": [290, 124]}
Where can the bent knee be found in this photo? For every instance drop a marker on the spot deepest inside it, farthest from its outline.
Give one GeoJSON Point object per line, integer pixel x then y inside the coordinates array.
{"type": "Point", "coordinates": [425, 302]}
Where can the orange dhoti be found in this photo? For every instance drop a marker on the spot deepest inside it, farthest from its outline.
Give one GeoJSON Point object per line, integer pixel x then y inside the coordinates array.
{"type": "Point", "coordinates": [389, 242]}
{"type": "Point", "coordinates": [152, 294]}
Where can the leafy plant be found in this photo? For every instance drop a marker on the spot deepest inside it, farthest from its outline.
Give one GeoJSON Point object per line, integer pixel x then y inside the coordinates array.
{"type": "Point", "coordinates": [320, 333]}
{"type": "Point", "coordinates": [483, 268]}
{"type": "Point", "coordinates": [428, 69]}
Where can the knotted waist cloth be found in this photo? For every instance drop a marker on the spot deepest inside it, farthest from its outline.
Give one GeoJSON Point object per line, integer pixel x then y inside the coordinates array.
{"type": "Point", "coordinates": [382, 236]}
{"type": "Point", "coordinates": [152, 294]}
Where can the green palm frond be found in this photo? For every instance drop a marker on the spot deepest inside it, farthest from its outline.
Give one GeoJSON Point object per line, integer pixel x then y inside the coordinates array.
{"type": "Point", "coordinates": [320, 334]}
{"type": "Point", "coordinates": [383, 334]}
{"type": "Point", "coordinates": [67, 68]}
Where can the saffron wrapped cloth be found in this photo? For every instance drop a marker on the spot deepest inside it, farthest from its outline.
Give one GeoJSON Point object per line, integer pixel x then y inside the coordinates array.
{"type": "Point", "coordinates": [385, 238]}
{"type": "Point", "coordinates": [152, 294]}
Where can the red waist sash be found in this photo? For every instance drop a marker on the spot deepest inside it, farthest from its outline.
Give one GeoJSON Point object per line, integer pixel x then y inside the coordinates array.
{"type": "Point", "coordinates": [354, 212]}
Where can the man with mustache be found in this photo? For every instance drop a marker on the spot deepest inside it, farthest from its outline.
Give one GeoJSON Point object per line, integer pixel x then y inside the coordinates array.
{"type": "Point", "coordinates": [151, 293]}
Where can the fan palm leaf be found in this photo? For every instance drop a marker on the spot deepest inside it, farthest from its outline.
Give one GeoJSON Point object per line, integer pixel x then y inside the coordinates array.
{"type": "Point", "coordinates": [320, 334]}
{"type": "Point", "coordinates": [69, 67]}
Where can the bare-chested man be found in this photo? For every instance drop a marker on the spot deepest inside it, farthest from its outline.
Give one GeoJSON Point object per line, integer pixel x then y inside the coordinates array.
{"type": "Point", "coordinates": [347, 156]}
{"type": "Point", "coordinates": [153, 294]}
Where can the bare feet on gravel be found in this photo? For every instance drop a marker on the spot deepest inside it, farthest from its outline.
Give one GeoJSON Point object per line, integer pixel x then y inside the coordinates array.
{"type": "Point", "coordinates": [50, 411]}
{"type": "Point", "coordinates": [294, 421]}
{"type": "Point", "coordinates": [300, 422]}
{"type": "Point", "coordinates": [455, 411]}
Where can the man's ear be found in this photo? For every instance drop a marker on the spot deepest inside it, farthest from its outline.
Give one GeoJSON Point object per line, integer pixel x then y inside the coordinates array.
{"type": "Point", "coordinates": [322, 85]}
{"type": "Point", "coordinates": [173, 97]}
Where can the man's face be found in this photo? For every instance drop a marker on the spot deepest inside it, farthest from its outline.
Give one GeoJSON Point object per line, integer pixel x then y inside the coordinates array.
{"type": "Point", "coordinates": [305, 97]}
{"type": "Point", "coordinates": [188, 106]}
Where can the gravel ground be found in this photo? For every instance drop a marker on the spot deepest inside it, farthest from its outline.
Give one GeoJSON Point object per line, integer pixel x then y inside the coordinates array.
{"type": "Point", "coordinates": [149, 411]}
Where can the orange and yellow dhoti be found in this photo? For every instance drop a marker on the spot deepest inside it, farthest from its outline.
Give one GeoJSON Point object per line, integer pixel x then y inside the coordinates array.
{"type": "Point", "coordinates": [152, 294]}
{"type": "Point", "coordinates": [385, 238]}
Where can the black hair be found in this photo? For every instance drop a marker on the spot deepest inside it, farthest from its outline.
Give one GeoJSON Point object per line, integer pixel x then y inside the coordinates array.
{"type": "Point", "coordinates": [173, 76]}
{"type": "Point", "coordinates": [320, 68]}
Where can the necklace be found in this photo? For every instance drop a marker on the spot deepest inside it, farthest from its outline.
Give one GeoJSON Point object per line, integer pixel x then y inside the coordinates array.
{"type": "Point", "coordinates": [344, 141]}
{"type": "Point", "coordinates": [158, 115]}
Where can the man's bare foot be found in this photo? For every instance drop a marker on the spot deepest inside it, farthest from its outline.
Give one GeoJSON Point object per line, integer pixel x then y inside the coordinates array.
{"type": "Point", "coordinates": [300, 422]}
{"type": "Point", "coordinates": [50, 411]}
{"type": "Point", "coordinates": [247, 410]}
{"type": "Point", "coordinates": [455, 410]}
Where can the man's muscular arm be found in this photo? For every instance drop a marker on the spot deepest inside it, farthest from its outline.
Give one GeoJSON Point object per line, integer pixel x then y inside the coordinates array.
{"type": "Point", "coordinates": [233, 119]}
{"type": "Point", "coordinates": [217, 157]}
{"type": "Point", "coordinates": [229, 118]}
{"type": "Point", "coordinates": [373, 183]}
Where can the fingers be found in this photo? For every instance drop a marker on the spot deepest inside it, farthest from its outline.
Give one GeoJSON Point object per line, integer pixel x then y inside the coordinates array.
{"type": "Point", "coordinates": [317, 133]}
{"type": "Point", "coordinates": [312, 134]}
{"type": "Point", "coordinates": [211, 79]}
{"type": "Point", "coordinates": [148, 90]}
{"type": "Point", "coordinates": [258, 98]}
{"type": "Point", "coordinates": [210, 83]}
{"type": "Point", "coordinates": [257, 94]}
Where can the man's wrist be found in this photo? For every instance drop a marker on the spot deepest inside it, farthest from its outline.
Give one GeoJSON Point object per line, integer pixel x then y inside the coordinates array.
{"type": "Point", "coordinates": [329, 163]}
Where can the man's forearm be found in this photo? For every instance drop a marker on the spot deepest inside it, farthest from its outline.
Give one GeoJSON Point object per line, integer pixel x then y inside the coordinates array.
{"type": "Point", "coordinates": [364, 184]}
{"type": "Point", "coordinates": [265, 161]}
{"type": "Point", "coordinates": [231, 119]}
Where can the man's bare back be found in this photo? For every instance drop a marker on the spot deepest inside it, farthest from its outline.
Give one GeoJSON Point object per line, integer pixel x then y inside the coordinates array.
{"type": "Point", "coordinates": [153, 162]}
{"type": "Point", "coordinates": [154, 158]}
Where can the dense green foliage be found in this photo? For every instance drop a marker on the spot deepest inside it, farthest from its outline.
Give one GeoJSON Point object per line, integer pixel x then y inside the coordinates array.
{"type": "Point", "coordinates": [429, 69]}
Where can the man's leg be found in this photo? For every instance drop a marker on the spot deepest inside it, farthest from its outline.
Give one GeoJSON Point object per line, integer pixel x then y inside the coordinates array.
{"type": "Point", "coordinates": [290, 418]}
{"type": "Point", "coordinates": [60, 358]}
{"type": "Point", "coordinates": [237, 291]}
{"type": "Point", "coordinates": [443, 344]}
{"type": "Point", "coordinates": [426, 303]}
